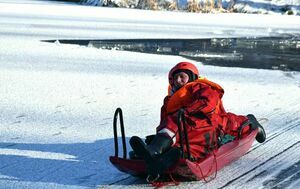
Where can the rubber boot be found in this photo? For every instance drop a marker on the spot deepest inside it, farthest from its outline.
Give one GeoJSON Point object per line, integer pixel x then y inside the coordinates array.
{"type": "Point", "coordinates": [261, 134]}
{"type": "Point", "coordinates": [148, 140]}
{"type": "Point", "coordinates": [162, 163]}
{"type": "Point", "coordinates": [132, 155]}
{"type": "Point", "coordinates": [153, 154]}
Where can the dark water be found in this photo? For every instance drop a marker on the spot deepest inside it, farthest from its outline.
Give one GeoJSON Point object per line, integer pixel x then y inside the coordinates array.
{"type": "Point", "coordinates": [282, 53]}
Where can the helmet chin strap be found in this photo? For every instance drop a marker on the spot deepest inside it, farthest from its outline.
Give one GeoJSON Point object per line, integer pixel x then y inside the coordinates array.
{"type": "Point", "coordinates": [174, 89]}
{"type": "Point", "coordinates": [192, 78]}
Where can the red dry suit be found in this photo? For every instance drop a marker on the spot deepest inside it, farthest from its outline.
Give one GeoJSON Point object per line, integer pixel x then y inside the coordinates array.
{"type": "Point", "coordinates": [205, 116]}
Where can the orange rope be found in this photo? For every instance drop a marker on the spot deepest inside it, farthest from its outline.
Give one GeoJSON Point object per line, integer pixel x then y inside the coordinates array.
{"type": "Point", "coordinates": [158, 184]}
{"type": "Point", "coordinates": [202, 175]}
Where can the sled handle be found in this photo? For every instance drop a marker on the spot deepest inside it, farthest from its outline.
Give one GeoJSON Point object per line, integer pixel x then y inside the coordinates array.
{"type": "Point", "coordinates": [119, 112]}
{"type": "Point", "coordinates": [241, 128]}
{"type": "Point", "coordinates": [181, 119]}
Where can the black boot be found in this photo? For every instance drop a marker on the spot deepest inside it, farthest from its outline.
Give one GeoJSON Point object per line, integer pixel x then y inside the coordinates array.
{"type": "Point", "coordinates": [163, 162]}
{"type": "Point", "coordinates": [132, 155]}
{"type": "Point", "coordinates": [156, 161]}
{"type": "Point", "coordinates": [261, 134]}
{"type": "Point", "coordinates": [148, 140]}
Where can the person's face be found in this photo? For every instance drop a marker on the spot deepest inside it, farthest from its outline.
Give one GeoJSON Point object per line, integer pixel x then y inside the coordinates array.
{"type": "Point", "coordinates": [180, 79]}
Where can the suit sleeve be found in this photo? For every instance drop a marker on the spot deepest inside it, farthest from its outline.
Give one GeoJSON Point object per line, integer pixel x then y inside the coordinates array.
{"type": "Point", "coordinates": [163, 110]}
{"type": "Point", "coordinates": [205, 100]}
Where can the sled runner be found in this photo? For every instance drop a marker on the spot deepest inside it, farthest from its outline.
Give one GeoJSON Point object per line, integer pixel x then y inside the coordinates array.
{"type": "Point", "coordinates": [186, 167]}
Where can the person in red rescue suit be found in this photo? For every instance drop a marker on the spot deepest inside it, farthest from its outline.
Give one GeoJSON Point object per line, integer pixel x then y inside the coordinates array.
{"type": "Point", "coordinates": [205, 118]}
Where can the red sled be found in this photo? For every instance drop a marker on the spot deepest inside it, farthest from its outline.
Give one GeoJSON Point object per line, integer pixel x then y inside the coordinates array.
{"type": "Point", "coordinates": [186, 167]}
